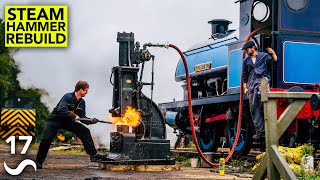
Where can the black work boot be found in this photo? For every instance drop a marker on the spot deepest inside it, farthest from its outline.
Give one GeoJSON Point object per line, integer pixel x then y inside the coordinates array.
{"type": "Point", "coordinates": [39, 165]}
{"type": "Point", "coordinates": [258, 135]}
{"type": "Point", "coordinates": [97, 158]}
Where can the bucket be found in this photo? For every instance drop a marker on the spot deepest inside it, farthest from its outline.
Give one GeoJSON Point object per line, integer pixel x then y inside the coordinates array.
{"type": "Point", "coordinates": [307, 163]}
{"type": "Point", "coordinates": [207, 155]}
{"type": "Point", "coordinates": [194, 162]}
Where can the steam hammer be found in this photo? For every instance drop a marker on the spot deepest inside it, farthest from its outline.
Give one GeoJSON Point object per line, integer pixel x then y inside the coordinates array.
{"type": "Point", "coordinates": [148, 139]}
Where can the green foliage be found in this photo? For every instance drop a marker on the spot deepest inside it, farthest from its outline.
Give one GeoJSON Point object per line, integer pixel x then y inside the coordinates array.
{"type": "Point", "coordinates": [315, 176]}
{"type": "Point", "coordinates": [184, 159]}
{"type": "Point", "coordinates": [307, 149]}
{"type": "Point", "coordinates": [181, 158]}
{"type": "Point", "coordinates": [3, 50]}
{"type": "Point", "coordinates": [9, 85]}
{"type": "Point", "coordinates": [309, 176]}
{"type": "Point", "coordinates": [191, 145]}
{"type": "Point", "coordinates": [67, 134]}
{"type": "Point", "coordinates": [8, 76]}
{"type": "Point", "coordinates": [8, 71]}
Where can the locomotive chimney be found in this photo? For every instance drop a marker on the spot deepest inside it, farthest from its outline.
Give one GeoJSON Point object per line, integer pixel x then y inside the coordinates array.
{"type": "Point", "coordinates": [219, 26]}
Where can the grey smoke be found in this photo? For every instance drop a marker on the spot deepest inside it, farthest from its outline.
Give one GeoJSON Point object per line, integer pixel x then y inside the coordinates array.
{"type": "Point", "coordinates": [93, 50]}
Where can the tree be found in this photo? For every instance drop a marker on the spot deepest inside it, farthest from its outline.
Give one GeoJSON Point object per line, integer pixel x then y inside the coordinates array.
{"type": "Point", "coordinates": [3, 49]}
{"type": "Point", "coordinates": [9, 85]}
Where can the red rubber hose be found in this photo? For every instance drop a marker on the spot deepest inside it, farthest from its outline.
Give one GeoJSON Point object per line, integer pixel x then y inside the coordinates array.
{"type": "Point", "coordinates": [190, 106]}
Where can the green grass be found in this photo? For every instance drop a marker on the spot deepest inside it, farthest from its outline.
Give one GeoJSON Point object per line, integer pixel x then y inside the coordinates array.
{"type": "Point", "coordinates": [2, 141]}
{"type": "Point", "coordinates": [309, 176]}
{"type": "Point", "coordinates": [184, 159]}
{"type": "Point", "coordinates": [34, 146]}
{"type": "Point", "coordinates": [72, 151]}
{"type": "Point", "coordinates": [240, 165]}
{"type": "Point", "coordinates": [77, 151]}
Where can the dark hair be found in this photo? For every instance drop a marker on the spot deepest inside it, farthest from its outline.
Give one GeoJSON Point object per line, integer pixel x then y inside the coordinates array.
{"type": "Point", "coordinates": [81, 85]}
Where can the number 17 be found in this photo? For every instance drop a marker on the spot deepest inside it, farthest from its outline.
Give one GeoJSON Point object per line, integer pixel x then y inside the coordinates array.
{"type": "Point", "coordinates": [12, 140]}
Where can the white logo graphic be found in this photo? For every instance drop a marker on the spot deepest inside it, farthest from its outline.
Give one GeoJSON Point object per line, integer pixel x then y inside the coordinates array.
{"type": "Point", "coordinates": [20, 167]}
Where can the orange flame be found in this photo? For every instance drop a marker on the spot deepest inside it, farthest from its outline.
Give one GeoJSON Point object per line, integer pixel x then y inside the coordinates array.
{"type": "Point", "coordinates": [131, 117]}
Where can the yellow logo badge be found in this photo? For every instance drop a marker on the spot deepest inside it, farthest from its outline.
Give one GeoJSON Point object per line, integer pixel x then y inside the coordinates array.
{"type": "Point", "coordinates": [36, 26]}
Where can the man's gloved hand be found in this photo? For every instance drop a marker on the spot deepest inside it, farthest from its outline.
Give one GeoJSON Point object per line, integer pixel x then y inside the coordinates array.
{"type": "Point", "coordinates": [85, 122]}
{"type": "Point", "coordinates": [95, 120]}
{"type": "Point", "coordinates": [91, 121]}
{"type": "Point", "coordinates": [73, 115]}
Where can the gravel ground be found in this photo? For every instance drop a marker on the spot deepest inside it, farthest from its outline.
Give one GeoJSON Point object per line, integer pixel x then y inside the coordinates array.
{"type": "Point", "coordinates": [79, 167]}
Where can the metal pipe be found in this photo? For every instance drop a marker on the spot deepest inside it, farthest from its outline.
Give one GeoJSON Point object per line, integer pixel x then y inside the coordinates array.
{"type": "Point", "coordinates": [141, 72]}
{"type": "Point", "coordinates": [155, 45]}
{"type": "Point", "coordinates": [152, 83]}
{"type": "Point", "coordinates": [129, 52]}
{"type": "Point", "coordinates": [111, 78]}
{"type": "Point", "coordinates": [152, 77]}
{"type": "Point", "coordinates": [90, 120]}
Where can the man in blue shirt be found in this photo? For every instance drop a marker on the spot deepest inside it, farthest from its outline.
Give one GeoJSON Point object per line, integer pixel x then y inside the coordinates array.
{"type": "Point", "coordinates": [254, 68]}
{"type": "Point", "coordinates": [70, 109]}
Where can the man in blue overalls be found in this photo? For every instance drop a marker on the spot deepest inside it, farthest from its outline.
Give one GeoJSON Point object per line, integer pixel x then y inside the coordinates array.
{"type": "Point", "coordinates": [70, 109]}
{"type": "Point", "coordinates": [254, 68]}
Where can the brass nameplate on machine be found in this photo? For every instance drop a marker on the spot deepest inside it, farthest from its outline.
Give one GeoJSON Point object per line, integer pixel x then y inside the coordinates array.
{"type": "Point", "coordinates": [202, 67]}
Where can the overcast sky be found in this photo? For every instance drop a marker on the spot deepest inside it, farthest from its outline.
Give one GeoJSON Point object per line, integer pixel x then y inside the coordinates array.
{"type": "Point", "coordinates": [93, 50]}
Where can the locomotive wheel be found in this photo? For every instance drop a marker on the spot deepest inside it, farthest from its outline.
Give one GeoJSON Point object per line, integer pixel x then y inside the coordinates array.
{"type": "Point", "coordinates": [209, 138]}
{"type": "Point", "coordinates": [245, 137]}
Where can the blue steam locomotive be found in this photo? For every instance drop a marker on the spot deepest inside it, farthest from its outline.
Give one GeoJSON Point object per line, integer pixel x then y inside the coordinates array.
{"type": "Point", "coordinates": [292, 29]}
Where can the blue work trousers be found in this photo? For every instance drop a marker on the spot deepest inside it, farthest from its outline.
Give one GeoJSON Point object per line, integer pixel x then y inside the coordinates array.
{"type": "Point", "coordinates": [256, 109]}
{"type": "Point", "coordinates": [51, 130]}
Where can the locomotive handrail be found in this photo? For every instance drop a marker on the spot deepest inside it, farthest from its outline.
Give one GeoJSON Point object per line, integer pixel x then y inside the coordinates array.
{"type": "Point", "coordinates": [203, 101]}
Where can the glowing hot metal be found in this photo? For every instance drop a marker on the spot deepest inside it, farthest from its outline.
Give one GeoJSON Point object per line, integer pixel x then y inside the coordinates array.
{"type": "Point", "coordinates": [131, 117]}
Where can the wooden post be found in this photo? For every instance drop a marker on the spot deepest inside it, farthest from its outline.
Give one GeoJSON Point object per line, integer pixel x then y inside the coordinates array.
{"type": "Point", "coordinates": [271, 136]}
{"type": "Point", "coordinates": [273, 162]}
